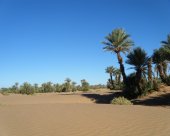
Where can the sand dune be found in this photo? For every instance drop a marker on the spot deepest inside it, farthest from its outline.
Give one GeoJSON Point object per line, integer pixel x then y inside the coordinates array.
{"type": "Point", "coordinates": [75, 115]}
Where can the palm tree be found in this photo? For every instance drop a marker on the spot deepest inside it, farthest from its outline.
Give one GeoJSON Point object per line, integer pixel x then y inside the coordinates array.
{"type": "Point", "coordinates": [156, 70]}
{"type": "Point", "coordinates": [158, 59]}
{"type": "Point", "coordinates": [117, 73]}
{"type": "Point", "coordinates": [166, 43]}
{"type": "Point", "coordinates": [110, 70]}
{"type": "Point", "coordinates": [166, 47]}
{"type": "Point", "coordinates": [116, 42]}
{"type": "Point", "coordinates": [165, 67]}
{"type": "Point", "coordinates": [139, 59]}
{"type": "Point", "coordinates": [67, 84]}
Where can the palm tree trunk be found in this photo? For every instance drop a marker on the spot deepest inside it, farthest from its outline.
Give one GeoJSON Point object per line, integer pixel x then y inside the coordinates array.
{"type": "Point", "coordinates": [150, 69]}
{"type": "Point", "coordinates": [111, 79]}
{"type": "Point", "coordinates": [164, 68]}
{"type": "Point", "coordinates": [122, 69]}
{"type": "Point", "coordinates": [160, 69]}
{"type": "Point", "coordinates": [119, 78]}
{"type": "Point", "coordinates": [116, 78]}
{"type": "Point", "coordinates": [138, 79]}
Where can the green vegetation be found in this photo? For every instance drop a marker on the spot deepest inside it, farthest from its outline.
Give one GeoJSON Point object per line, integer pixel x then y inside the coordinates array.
{"type": "Point", "coordinates": [67, 86]}
{"type": "Point", "coordinates": [26, 88]}
{"type": "Point", "coordinates": [121, 101]}
{"type": "Point", "coordinates": [84, 85]}
{"type": "Point", "coordinates": [142, 81]}
{"type": "Point", "coordinates": [114, 84]}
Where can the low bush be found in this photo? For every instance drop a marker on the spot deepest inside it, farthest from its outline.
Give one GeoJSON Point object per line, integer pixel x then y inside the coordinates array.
{"type": "Point", "coordinates": [121, 101]}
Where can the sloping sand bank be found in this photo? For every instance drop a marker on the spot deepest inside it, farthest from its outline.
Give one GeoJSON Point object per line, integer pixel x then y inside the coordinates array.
{"type": "Point", "coordinates": [63, 118]}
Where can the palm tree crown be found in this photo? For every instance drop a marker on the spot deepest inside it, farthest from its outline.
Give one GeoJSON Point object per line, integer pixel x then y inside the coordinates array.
{"type": "Point", "coordinates": [118, 41]}
{"type": "Point", "coordinates": [110, 70]}
{"type": "Point", "coordinates": [138, 58]}
{"type": "Point", "coordinates": [166, 48]}
{"type": "Point", "coordinates": [166, 43]}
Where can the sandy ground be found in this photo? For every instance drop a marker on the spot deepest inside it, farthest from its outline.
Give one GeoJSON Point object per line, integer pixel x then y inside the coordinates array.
{"type": "Point", "coordinates": [75, 115]}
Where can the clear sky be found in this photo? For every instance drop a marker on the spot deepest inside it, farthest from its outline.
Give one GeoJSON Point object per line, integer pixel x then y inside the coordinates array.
{"type": "Point", "coordinates": [50, 40]}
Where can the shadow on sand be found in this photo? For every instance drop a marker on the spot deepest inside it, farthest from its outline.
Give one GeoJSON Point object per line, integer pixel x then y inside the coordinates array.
{"type": "Point", "coordinates": [102, 98]}
{"type": "Point", "coordinates": [162, 100]}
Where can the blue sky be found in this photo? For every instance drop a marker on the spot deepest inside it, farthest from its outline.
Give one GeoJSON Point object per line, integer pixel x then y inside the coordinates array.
{"type": "Point", "coordinates": [50, 40]}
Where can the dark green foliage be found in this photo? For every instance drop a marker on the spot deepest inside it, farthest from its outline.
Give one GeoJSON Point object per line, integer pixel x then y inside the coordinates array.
{"type": "Point", "coordinates": [138, 59]}
{"type": "Point", "coordinates": [131, 90]}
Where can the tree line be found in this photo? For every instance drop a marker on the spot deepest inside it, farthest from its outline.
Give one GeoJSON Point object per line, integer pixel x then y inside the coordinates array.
{"type": "Point", "coordinates": [67, 86]}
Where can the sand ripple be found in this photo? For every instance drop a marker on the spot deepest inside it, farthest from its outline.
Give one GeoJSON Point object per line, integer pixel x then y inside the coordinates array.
{"type": "Point", "coordinates": [74, 115]}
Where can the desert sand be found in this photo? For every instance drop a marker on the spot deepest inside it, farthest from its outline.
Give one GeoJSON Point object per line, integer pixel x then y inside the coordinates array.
{"type": "Point", "coordinates": [76, 115]}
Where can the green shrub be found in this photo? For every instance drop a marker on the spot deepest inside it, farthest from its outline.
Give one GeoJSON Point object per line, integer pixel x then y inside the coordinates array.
{"type": "Point", "coordinates": [58, 88]}
{"type": "Point", "coordinates": [47, 87]}
{"type": "Point", "coordinates": [84, 85]}
{"type": "Point", "coordinates": [132, 91]}
{"type": "Point", "coordinates": [27, 88]}
{"type": "Point", "coordinates": [121, 101]}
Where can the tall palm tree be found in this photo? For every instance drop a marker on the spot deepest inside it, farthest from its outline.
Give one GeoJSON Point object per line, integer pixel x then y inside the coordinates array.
{"type": "Point", "coordinates": [138, 59]}
{"type": "Point", "coordinates": [116, 42]}
{"type": "Point", "coordinates": [110, 70]}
